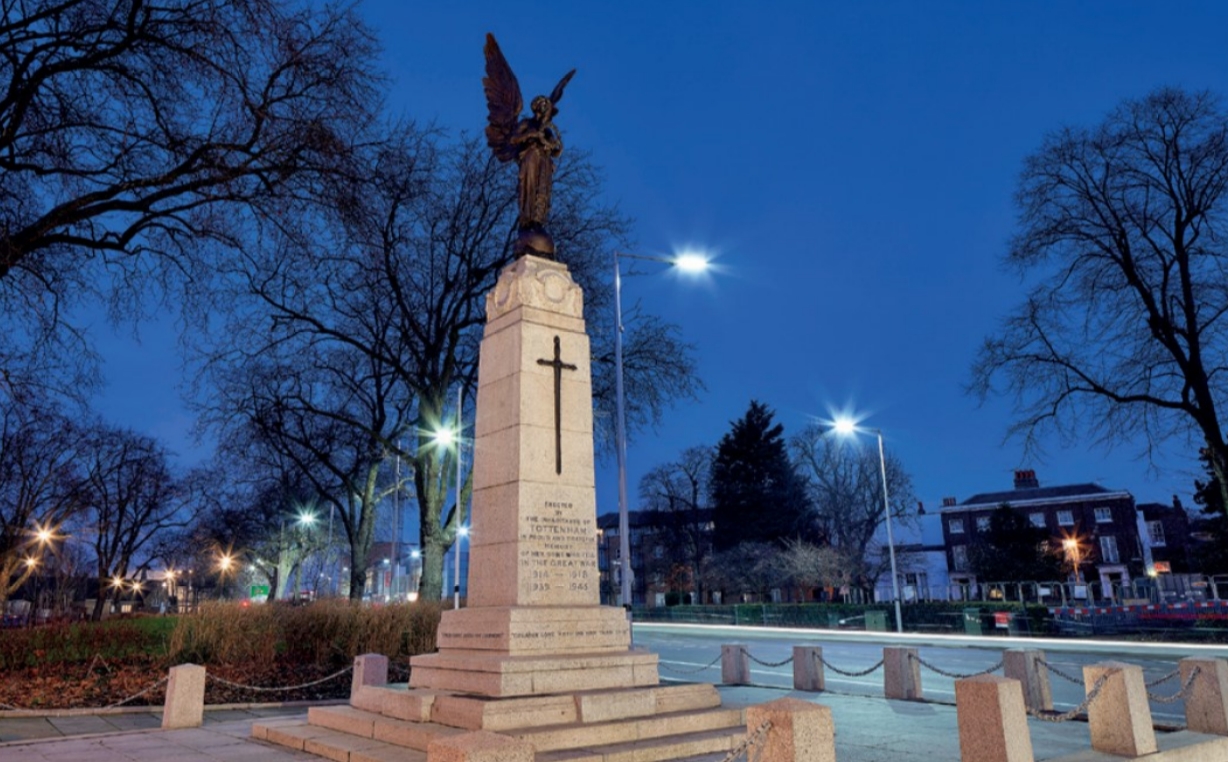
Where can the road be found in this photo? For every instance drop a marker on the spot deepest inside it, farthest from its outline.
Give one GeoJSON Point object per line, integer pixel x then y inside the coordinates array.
{"type": "Point", "coordinates": [687, 653]}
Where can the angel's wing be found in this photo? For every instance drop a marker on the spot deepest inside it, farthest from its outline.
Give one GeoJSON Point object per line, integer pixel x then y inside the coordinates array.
{"type": "Point", "coordinates": [556, 95]}
{"type": "Point", "coordinates": [503, 101]}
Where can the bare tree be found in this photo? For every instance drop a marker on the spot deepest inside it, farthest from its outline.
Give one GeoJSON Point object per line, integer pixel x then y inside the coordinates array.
{"type": "Point", "coordinates": [40, 483]}
{"type": "Point", "coordinates": [845, 486]}
{"type": "Point", "coordinates": [1121, 231]}
{"type": "Point", "coordinates": [810, 565]}
{"type": "Point", "coordinates": [133, 134]}
{"type": "Point", "coordinates": [386, 277]}
{"type": "Point", "coordinates": [678, 491]}
{"type": "Point", "coordinates": [131, 497]}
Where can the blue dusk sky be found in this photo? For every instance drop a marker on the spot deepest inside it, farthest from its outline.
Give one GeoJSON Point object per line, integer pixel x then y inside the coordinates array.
{"type": "Point", "coordinates": [851, 168]}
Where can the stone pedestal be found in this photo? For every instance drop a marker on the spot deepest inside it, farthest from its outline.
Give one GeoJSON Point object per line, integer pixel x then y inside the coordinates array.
{"type": "Point", "coordinates": [1025, 665]}
{"type": "Point", "coordinates": [1206, 706]}
{"type": "Point", "coordinates": [800, 731]}
{"type": "Point", "coordinates": [993, 723]}
{"type": "Point", "coordinates": [901, 674]}
{"type": "Point", "coordinates": [533, 625]}
{"type": "Point", "coordinates": [185, 698]}
{"type": "Point", "coordinates": [1120, 717]}
{"type": "Point", "coordinates": [808, 669]}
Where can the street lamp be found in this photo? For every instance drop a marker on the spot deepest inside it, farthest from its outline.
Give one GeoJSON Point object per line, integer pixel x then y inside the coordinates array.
{"type": "Point", "coordinates": [461, 532]}
{"type": "Point", "coordinates": [1072, 549]}
{"type": "Point", "coordinates": [849, 427]}
{"type": "Point", "coordinates": [446, 437]}
{"type": "Point", "coordinates": [688, 262]}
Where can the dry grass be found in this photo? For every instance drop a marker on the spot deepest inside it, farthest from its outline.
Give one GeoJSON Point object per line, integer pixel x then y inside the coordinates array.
{"type": "Point", "coordinates": [325, 633]}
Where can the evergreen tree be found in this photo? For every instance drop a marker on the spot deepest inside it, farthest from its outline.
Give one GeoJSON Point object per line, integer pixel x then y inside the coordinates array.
{"type": "Point", "coordinates": [1013, 550]}
{"type": "Point", "coordinates": [756, 495]}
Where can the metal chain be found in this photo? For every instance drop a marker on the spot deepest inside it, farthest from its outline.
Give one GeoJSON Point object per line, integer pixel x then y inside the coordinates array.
{"type": "Point", "coordinates": [137, 695]}
{"type": "Point", "coordinates": [762, 663]}
{"type": "Point", "coordinates": [846, 673]}
{"type": "Point", "coordinates": [1092, 695]}
{"type": "Point", "coordinates": [1058, 672]}
{"type": "Point", "coordinates": [953, 675]}
{"type": "Point", "coordinates": [750, 740]}
{"type": "Point", "coordinates": [257, 689]}
{"type": "Point", "coordinates": [690, 671]}
{"type": "Point", "coordinates": [1181, 694]}
{"type": "Point", "coordinates": [1164, 679]}
{"type": "Point", "coordinates": [12, 708]}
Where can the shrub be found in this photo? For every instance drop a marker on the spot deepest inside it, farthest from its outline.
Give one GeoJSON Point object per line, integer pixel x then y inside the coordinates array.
{"type": "Point", "coordinates": [325, 633]}
{"type": "Point", "coordinates": [64, 643]}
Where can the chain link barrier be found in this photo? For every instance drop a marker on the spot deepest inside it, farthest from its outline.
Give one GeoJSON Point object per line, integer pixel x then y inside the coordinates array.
{"type": "Point", "coordinates": [680, 671]}
{"type": "Point", "coordinates": [135, 696]}
{"type": "Point", "coordinates": [762, 663]}
{"type": "Point", "coordinates": [847, 673]}
{"type": "Point", "coordinates": [1164, 679]}
{"type": "Point", "coordinates": [11, 708]}
{"type": "Point", "coordinates": [1179, 695]}
{"type": "Point", "coordinates": [258, 689]}
{"type": "Point", "coordinates": [1092, 695]}
{"type": "Point", "coordinates": [1059, 672]}
{"type": "Point", "coordinates": [743, 749]}
{"type": "Point", "coordinates": [954, 675]}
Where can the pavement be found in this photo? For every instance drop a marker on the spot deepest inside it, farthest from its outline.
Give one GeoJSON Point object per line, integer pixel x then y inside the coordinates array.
{"type": "Point", "coordinates": [868, 729]}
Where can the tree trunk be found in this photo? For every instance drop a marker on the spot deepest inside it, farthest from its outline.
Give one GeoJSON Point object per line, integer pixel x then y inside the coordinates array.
{"type": "Point", "coordinates": [431, 586]}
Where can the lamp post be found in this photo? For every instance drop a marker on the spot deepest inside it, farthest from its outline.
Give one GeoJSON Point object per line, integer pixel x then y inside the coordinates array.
{"type": "Point", "coordinates": [444, 438]}
{"type": "Point", "coordinates": [691, 263]}
{"type": "Point", "coordinates": [846, 427]}
{"type": "Point", "coordinates": [1072, 549]}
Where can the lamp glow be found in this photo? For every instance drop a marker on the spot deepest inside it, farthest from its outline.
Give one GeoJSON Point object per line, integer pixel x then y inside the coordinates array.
{"type": "Point", "coordinates": [444, 437]}
{"type": "Point", "coordinates": [845, 426]}
{"type": "Point", "coordinates": [691, 262]}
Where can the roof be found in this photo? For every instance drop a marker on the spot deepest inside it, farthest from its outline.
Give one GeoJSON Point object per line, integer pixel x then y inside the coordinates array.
{"type": "Point", "coordinates": [1037, 495]}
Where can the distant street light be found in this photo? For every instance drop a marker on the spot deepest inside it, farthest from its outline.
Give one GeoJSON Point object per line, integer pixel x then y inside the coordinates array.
{"type": "Point", "coordinates": [688, 262]}
{"type": "Point", "coordinates": [849, 427]}
{"type": "Point", "coordinates": [1071, 545]}
{"type": "Point", "coordinates": [446, 437]}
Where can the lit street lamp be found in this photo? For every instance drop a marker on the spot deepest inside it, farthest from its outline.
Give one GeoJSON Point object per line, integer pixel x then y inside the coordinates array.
{"type": "Point", "coordinates": [848, 427]}
{"type": "Point", "coordinates": [1072, 550]}
{"type": "Point", "coordinates": [445, 437]}
{"type": "Point", "coordinates": [688, 263]}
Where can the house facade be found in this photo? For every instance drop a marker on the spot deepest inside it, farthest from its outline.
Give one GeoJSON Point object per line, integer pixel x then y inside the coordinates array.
{"type": "Point", "coordinates": [1096, 529]}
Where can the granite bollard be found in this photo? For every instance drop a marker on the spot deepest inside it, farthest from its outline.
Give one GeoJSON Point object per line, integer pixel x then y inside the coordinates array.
{"type": "Point", "coordinates": [1206, 706]}
{"type": "Point", "coordinates": [901, 674]}
{"type": "Point", "coordinates": [993, 723]}
{"type": "Point", "coordinates": [1119, 717]}
{"type": "Point", "coordinates": [808, 669]}
{"type": "Point", "coordinates": [735, 665]}
{"type": "Point", "coordinates": [369, 669]}
{"type": "Point", "coordinates": [185, 698]}
{"type": "Point", "coordinates": [800, 731]}
{"type": "Point", "coordinates": [1026, 666]}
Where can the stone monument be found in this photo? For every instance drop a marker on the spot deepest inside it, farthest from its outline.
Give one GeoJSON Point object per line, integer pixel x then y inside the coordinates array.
{"type": "Point", "coordinates": [533, 623]}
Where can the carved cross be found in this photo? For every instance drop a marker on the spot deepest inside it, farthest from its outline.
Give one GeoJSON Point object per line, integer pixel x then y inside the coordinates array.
{"type": "Point", "coordinates": [559, 366]}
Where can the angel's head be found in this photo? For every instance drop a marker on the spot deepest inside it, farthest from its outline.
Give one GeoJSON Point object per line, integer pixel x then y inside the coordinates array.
{"type": "Point", "coordinates": [541, 106]}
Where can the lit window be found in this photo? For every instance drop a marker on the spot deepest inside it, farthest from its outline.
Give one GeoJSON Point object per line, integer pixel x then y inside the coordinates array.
{"type": "Point", "coordinates": [1065, 518]}
{"type": "Point", "coordinates": [955, 526]}
{"type": "Point", "coordinates": [1038, 520]}
{"type": "Point", "coordinates": [1108, 549]}
{"type": "Point", "coordinates": [1104, 516]}
{"type": "Point", "coordinates": [982, 523]}
{"type": "Point", "coordinates": [1155, 533]}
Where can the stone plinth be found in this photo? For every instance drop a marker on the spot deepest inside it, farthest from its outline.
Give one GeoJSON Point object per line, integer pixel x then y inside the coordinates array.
{"type": "Point", "coordinates": [1206, 706]}
{"type": "Point", "coordinates": [800, 731]}
{"type": "Point", "coordinates": [185, 697]}
{"type": "Point", "coordinates": [479, 746]}
{"type": "Point", "coordinates": [1120, 717]}
{"type": "Point", "coordinates": [993, 723]}
{"type": "Point", "coordinates": [735, 665]}
{"type": "Point", "coordinates": [369, 669]}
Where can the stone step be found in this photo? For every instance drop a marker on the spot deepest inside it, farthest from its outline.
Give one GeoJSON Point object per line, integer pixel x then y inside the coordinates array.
{"type": "Point", "coordinates": [705, 746]}
{"type": "Point", "coordinates": [356, 722]}
{"type": "Point", "coordinates": [332, 744]}
{"type": "Point", "coordinates": [586, 735]}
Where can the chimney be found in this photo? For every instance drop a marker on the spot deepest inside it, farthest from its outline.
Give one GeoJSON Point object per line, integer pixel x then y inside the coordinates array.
{"type": "Point", "coordinates": [1026, 479]}
{"type": "Point", "coordinates": [948, 502]}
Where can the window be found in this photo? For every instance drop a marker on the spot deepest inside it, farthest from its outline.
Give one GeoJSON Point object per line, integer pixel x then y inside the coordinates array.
{"type": "Point", "coordinates": [982, 523]}
{"type": "Point", "coordinates": [1037, 519]}
{"type": "Point", "coordinates": [1104, 516]}
{"type": "Point", "coordinates": [1065, 518]}
{"type": "Point", "coordinates": [959, 557]}
{"type": "Point", "coordinates": [1108, 549]}
{"type": "Point", "coordinates": [1155, 533]}
{"type": "Point", "coordinates": [955, 526]}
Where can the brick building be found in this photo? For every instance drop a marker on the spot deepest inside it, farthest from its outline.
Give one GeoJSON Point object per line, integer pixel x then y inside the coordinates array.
{"type": "Point", "coordinates": [1102, 521]}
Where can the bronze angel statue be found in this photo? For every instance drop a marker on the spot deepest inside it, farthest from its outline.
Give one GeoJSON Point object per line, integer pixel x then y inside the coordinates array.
{"type": "Point", "coordinates": [534, 142]}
